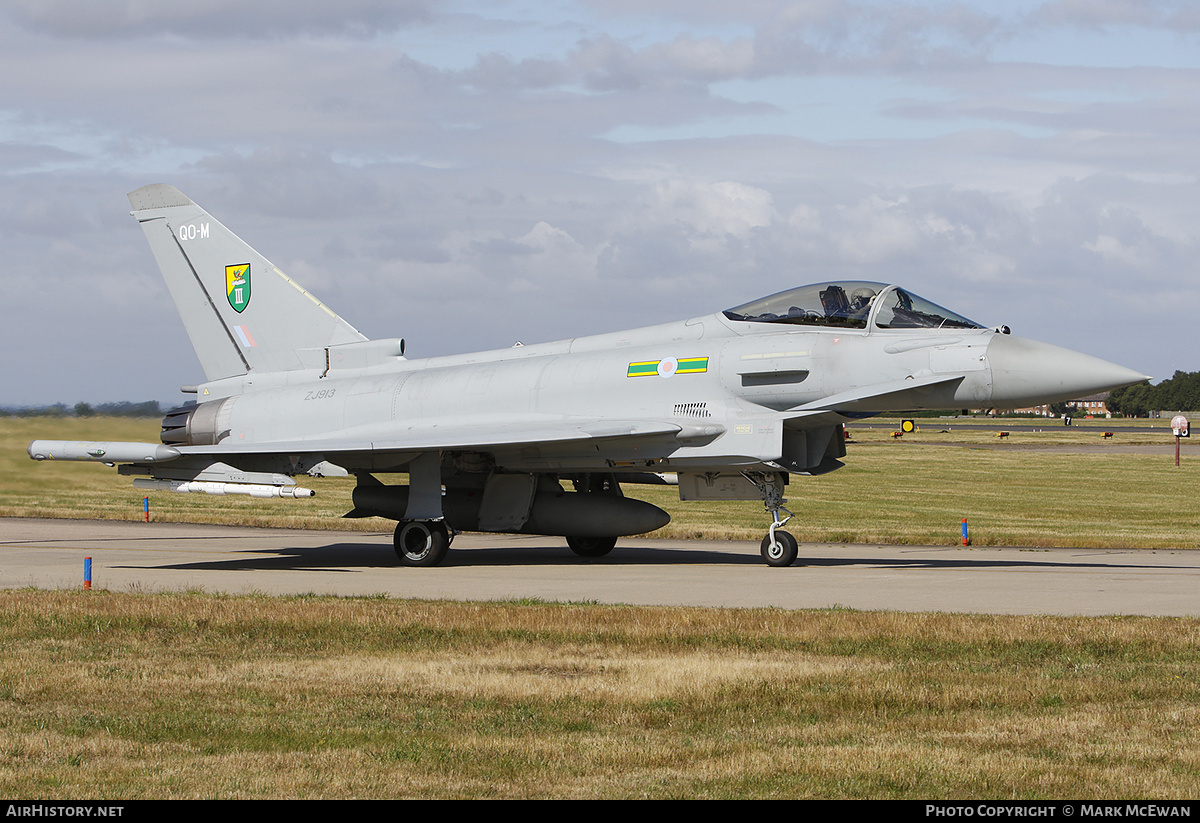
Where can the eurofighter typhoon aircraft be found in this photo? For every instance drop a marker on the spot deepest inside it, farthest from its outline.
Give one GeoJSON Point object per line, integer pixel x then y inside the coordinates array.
{"type": "Point", "coordinates": [538, 439]}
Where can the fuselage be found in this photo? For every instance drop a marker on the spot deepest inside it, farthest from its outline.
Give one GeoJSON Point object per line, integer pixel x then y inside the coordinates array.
{"type": "Point", "coordinates": [731, 387]}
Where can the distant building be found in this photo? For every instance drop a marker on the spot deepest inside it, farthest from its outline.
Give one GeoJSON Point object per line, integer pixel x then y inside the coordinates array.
{"type": "Point", "coordinates": [1094, 405]}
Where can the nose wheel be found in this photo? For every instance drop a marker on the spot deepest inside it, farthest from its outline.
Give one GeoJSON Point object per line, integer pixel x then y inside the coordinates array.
{"type": "Point", "coordinates": [779, 548]}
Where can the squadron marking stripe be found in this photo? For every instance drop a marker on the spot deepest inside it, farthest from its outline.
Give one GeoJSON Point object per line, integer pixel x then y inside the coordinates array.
{"type": "Point", "coordinates": [649, 368]}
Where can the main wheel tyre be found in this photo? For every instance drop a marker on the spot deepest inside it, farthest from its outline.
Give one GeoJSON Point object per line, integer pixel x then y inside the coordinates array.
{"type": "Point", "coordinates": [591, 546]}
{"type": "Point", "coordinates": [421, 542]}
{"type": "Point", "coordinates": [782, 552]}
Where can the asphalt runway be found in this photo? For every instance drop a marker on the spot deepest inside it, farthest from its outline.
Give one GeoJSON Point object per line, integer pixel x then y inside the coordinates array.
{"type": "Point", "coordinates": [175, 557]}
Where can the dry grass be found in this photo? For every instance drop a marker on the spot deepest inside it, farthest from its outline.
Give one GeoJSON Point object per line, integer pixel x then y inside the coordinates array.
{"type": "Point", "coordinates": [107, 695]}
{"type": "Point", "coordinates": [126, 696]}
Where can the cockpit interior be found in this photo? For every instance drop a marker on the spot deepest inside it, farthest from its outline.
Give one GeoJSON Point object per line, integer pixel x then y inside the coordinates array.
{"type": "Point", "coordinates": [850, 305]}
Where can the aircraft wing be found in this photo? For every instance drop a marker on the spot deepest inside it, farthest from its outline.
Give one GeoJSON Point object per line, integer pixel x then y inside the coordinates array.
{"type": "Point", "coordinates": [447, 435]}
{"type": "Point", "coordinates": [450, 435]}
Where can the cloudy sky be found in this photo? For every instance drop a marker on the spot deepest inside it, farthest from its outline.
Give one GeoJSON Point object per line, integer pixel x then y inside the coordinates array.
{"type": "Point", "coordinates": [467, 174]}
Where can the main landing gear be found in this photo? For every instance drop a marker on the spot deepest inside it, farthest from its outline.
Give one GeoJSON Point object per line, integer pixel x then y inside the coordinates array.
{"type": "Point", "coordinates": [591, 546]}
{"type": "Point", "coordinates": [779, 548]}
{"type": "Point", "coordinates": [421, 542]}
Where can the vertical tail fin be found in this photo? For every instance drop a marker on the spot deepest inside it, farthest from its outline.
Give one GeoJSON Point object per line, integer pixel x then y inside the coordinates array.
{"type": "Point", "coordinates": [241, 312]}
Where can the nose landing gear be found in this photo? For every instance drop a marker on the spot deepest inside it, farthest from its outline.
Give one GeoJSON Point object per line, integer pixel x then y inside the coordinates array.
{"type": "Point", "coordinates": [779, 548]}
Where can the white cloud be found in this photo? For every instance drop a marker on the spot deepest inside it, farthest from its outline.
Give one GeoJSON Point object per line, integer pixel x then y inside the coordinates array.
{"type": "Point", "coordinates": [442, 170]}
{"type": "Point", "coordinates": [711, 210]}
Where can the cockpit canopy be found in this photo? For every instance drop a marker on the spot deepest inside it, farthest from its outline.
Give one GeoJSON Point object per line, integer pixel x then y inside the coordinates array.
{"type": "Point", "coordinates": [851, 305]}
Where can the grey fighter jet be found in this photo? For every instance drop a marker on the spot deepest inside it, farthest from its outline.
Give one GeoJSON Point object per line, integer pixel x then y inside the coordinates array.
{"type": "Point", "coordinates": [539, 439]}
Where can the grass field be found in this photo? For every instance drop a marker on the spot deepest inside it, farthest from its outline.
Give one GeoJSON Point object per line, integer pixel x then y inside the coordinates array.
{"type": "Point", "coordinates": [915, 490]}
{"type": "Point", "coordinates": [189, 695]}
{"type": "Point", "coordinates": [106, 695]}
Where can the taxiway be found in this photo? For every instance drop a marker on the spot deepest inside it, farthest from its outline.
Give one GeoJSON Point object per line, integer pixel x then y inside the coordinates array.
{"type": "Point", "coordinates": [131, 556]}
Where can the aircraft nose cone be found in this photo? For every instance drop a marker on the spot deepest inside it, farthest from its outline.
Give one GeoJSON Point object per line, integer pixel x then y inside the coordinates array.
{"type": "Point", "coordinates": [1028, 373]}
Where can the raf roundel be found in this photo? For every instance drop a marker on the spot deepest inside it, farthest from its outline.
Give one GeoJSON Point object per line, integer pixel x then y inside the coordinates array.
{"type": "Point", "coordinates": [667, 367]}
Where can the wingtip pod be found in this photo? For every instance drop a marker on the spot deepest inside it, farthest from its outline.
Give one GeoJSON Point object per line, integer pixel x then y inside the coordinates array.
{"type": "Point", "coordinates": [93, 451]}
{"type": "Point", "coordinates": [158, 196]}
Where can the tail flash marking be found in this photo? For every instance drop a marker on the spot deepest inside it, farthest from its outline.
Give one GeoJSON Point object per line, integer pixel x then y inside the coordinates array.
{"type": "Point", "coordinates": [244, 335]}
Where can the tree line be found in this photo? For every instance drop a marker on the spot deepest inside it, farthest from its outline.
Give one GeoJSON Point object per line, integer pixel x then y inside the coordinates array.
{"type": "Point", "coordinates": [1179, 393]}
{"type": "Point", "coordinates": [125, 408]}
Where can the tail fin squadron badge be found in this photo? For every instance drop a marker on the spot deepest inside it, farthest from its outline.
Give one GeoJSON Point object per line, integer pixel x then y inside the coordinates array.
{"type": "Point", "coordinates": [237, 286]}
